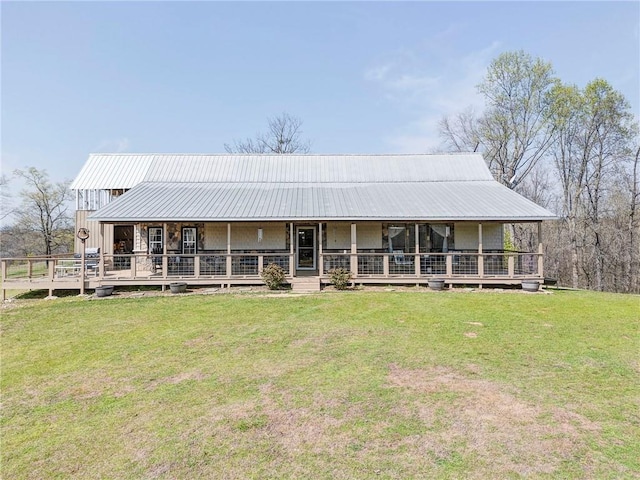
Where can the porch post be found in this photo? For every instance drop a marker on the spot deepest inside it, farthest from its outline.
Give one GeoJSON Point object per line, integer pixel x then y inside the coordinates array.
{"type": "Point", "coordinates": [229, 261]}
{"type": "Point", "coordinates": [165, 260]}
{"type": "Point", "coordinates": [540, 252]}
{"type": "Point", "coordinates": [480, 256]}
{"type": "Point", "coordinates": [50, 266]}
{"type": "Point", "coordinates": [320, 263]}
{"type": "Point", "coordinates": [417, 251]}
{"type": "Point", "coordinates": [101, 256]}
{"type": "Point", "coordinates": [292, 260]}
{"type": "Point", "coordinates": [51, 274]}
{"type": "Point", "coordinates": [354, 251]}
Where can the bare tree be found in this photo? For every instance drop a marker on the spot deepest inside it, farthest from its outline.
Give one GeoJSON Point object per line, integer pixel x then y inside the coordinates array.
{"type": "Point", "coordinates": [460, 132]}
{"type": "Point", "coordinates": [283, 136]}
{"type": "Point", "coordinates": [634, 223]}
{"type": "Point", "coordinates": [571, 164]}
{"type": "Point", "coordinates": [593, 132]}
{"type": "Point", "coordinates": [5, 206]}
{"type": "Point", "coordinates": [43, 210]}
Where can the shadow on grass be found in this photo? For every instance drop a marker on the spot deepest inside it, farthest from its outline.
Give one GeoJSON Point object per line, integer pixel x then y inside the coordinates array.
{"type": "Point", "coordinates": [41, 294]}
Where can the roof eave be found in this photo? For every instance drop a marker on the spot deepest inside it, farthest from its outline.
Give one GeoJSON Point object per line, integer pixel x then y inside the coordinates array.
{"type": "Point", "coordinates": [323, 219]}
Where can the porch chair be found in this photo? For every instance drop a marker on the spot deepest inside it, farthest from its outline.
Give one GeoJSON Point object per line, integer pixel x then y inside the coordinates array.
{"type": "Point", "coordinates": [400, 259]}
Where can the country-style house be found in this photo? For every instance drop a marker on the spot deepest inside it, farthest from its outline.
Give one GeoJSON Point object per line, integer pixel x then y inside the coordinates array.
{"type": "Point", "coordinates": [219, 219]}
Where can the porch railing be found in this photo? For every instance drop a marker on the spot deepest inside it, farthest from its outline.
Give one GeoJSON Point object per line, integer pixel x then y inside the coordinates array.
{"type": "Point", "coordinates": [493, 265]}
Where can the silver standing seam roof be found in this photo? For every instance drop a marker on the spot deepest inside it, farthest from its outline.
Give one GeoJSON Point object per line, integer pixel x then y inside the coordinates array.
{"type": "Point", "coordinates": [205, 188]}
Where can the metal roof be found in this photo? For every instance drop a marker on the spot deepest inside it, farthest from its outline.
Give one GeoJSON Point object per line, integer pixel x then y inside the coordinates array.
{"type": "Point", "coordinates": [112, 171]}
{"type": "Point", "coordinates": [106, 171]}
{"type": "Point", "coordinates": [188, 187]}
{"type": "Point", "coordinates": [289, 201]}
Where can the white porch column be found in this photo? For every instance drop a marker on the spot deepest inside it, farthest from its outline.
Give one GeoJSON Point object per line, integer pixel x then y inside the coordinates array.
{"type": "Point", "coordinates": [292, 260]}
{"type": "Point", "coordinates": [417, 251]}
{"type": "Point", "coordinates": [101, 256]}
{"type": "Point", "coordinates": [540, 252]}
{"type": "Point", "coordinates": [320, 262]}
{"type": "Point", "coordinates": [480, 255]}
{"type": "Point", "coordinates": [354, 250]}
{"type": "Point", "coordinates": [229, 262]}
{"type": "Point", "coordinates": [165, 260]}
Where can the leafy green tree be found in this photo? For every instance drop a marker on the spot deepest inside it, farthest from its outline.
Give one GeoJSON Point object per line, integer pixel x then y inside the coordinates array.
{"type": "Point", "coordinates": [587, 137]}
{"type": "Point", "coordinates": [511, 132]}
{"type": "Point", "coordinates": [512, 129]}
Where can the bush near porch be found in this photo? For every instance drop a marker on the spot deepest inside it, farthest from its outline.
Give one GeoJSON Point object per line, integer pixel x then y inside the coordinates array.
{"type": "Point", "coordinates": [358, 385]}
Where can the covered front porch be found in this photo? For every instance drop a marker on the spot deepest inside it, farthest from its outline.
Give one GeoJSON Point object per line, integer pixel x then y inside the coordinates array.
{"type": "Point", "coordinates": [470, 253]}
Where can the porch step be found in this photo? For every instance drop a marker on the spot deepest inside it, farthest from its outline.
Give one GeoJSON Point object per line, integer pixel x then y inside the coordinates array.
{"type": "Point", "coordinates": [305, 284]}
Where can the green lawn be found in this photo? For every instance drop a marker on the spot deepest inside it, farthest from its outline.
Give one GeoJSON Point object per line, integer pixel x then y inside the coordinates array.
{"type": "Point", "coordinates": [337, 386]}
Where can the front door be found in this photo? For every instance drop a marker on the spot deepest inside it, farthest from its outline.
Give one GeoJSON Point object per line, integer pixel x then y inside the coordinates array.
{"type": "Point", "coordinates": [305, 248]}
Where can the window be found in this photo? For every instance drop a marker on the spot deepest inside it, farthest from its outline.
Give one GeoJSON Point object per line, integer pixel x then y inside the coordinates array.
{"type": "Point", "coordinates": [441, 237]}
{"type": "Point", "coordinates": [399, 237]}
{"type": "Point", "coordinates": [189, 240]}
{"type": "Point", "coordinates": [155, 240]}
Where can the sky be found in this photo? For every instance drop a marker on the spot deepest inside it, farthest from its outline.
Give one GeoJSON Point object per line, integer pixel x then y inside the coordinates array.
{"type": "Point", "coordinates": [364, 77]}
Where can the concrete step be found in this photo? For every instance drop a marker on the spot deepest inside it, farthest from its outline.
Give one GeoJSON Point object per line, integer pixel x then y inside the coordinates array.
{"type": "Point", "coordinates": [305, 284]}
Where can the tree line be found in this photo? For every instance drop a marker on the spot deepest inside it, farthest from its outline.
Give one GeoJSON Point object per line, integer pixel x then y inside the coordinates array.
{"type": "Point", "coordinates": [572, 149]}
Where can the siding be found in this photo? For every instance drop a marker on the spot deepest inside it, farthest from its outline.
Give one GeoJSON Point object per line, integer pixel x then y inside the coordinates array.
{"type": "Point", "coordinates": [466, 236]}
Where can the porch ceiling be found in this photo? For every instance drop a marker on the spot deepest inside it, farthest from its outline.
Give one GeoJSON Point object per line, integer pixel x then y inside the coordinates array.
{"type": "Point", "coordinates": [198, 202]}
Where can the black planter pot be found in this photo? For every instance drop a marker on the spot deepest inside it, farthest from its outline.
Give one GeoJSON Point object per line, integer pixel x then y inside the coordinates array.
{"type": "Point", "coordinates": [530, 286]}
{"type": "Point", "coordinates": [436, 284]}
{"type": "Point", "coordinates": [178, 287]}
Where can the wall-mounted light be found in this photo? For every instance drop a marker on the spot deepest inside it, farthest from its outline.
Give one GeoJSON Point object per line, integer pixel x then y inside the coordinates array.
{"type": "Point", "coordinates": [260, 235]}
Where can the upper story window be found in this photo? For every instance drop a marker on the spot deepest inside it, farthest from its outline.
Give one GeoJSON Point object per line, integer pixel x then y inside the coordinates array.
{"type": "Point", "coordinates": [94, 199]}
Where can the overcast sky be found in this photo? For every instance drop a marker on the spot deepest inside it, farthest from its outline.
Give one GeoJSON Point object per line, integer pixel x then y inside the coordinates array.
{"type": "Point", "coordinates": [364, 77]}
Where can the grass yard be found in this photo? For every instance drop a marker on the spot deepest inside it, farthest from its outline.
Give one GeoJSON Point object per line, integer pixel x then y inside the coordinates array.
{"type": "Point", "coordinates": [331, 386]}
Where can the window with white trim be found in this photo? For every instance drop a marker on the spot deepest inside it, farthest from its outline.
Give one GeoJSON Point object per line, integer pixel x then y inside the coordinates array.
{"type": "Point", "coordinates": [189, 240]}
{"type": "Point", "coordinates": [155, 240]}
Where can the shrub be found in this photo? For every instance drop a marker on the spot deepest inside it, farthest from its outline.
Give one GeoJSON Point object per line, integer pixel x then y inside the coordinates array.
{"type": "Point", "coordinates": [340, 277]}
{"type": "Point", "coordinates": [273, 275]}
